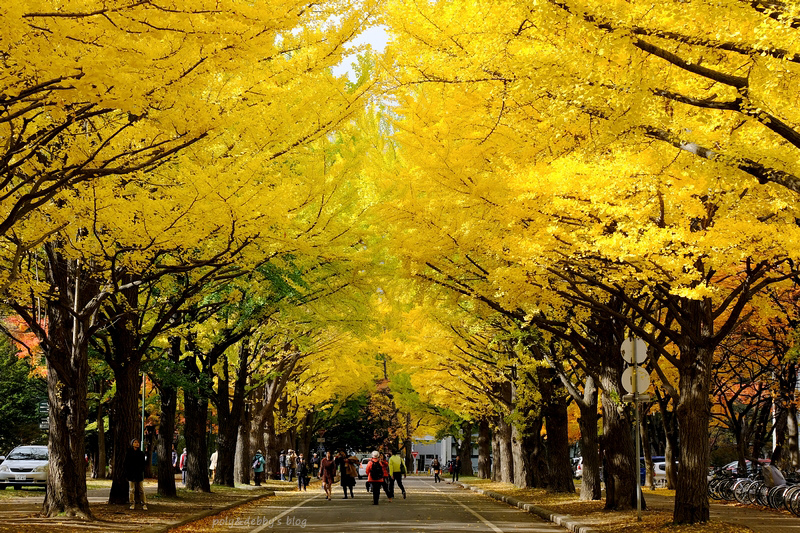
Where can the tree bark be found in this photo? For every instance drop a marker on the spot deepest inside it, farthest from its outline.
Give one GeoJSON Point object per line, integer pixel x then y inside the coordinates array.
{"type": "Point", "coordinates": [166, 425]}
{"type": "Point", "coordinates": [539, 471]}
{"type": "Point", "coordinates": [166, 432]}
{"type": "Point", "coordinates": [230, 416]}
{"type": "Point", "coordinates": [263, 435]}
{"type": "Point", "coordinates": [521, 458]}
{"type": "Point", "coordinates": [65, 346]}
{"type": "Point", "coordinates": [149, 448]}
{"type": "Point", "coordinates": [554, 411]}
{"type": "Point", "coordinates": [241, 470]}
{"type": "Point", "coordinates": [792, 448]}
{"type": "Point", "coordinates": [465, 450]}
{"type": "Point", "coordinates": [66, 481]}
{"type": "Point", "coordinates": [649, 480]}
{"type": "Point", "coordinates": [591, 488]}
{"type": "Point", "coordinates": [621, 475]}
{"type": "Point", "coordinates": [506, 457]}
{"type": "Point", "coordinates": [496, 455]}
{"type": "Point", "coordinates": [100, 464]}
{"type": "Point", "coordinates": [195, 406]}
{"type": "Point", "coordinates": [484, 449]}
{"type": "Point", "coordinates": [693, 411]}
{"type": "Point", "coordinates": [125, 361]}
{"type": "Point", "coordinates": [126, 407]}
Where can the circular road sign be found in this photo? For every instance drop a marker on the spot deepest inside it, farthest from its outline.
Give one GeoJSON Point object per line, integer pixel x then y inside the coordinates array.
{"type": "Point", "coordinates": [642, 379]}
{"type": "Point", "coordinates": [628, 347]}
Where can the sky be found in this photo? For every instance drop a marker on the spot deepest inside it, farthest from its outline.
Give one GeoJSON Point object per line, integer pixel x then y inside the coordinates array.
{"type": "Point", "coordinates": [375, 36]}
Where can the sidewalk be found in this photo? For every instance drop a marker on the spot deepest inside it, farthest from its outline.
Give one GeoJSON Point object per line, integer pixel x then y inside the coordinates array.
{"type": "Point", "coordinates": [588, 517]}
{"type": "Point", "coordinates": [20, 514]}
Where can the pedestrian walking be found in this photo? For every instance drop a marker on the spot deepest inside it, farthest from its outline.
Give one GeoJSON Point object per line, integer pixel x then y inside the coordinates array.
{"type": "Point", "coordinates": [291, 463]}
{"type": "Point", "coordinates": [135, 462]}
{"type": "Point", "coordinates": [174, 461]}
{"type": "Point", "coordinates": [327, 471]}
{"type": "Point", "coordinates": [436, 466]}
{"type": "Point", "coordinates": [315, 461]}
{"type": "Point", "coordinates": [258, 467]}
{"type": "Point", "coordinates": [397, 471]}
{"type": "Point", "coordinates": [376, 476]}
{"type": "Point", "coordinates": [183, 466]}
{"type": "Point", "coordinates": [213, 465]}
{"type": "Point", "coordinates": [282, 465]}
{"type": "Point", "coordinates": [456, 466]}
{"type": "Point", "coordinates": [347, 472]}
{"type": "Point", "coordinates": [302, 474]}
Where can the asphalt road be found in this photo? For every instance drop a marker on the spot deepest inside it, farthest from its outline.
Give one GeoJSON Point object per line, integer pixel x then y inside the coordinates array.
{"type": "Point", "coordinates": [430, 507]}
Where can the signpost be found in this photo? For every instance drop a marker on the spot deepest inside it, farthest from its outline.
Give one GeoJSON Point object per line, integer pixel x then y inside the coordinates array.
{"type": "Point", "coordinates": [415, 454]}
{"type": "Point", "coordinates": [636, 380]}
{"type": "Point", "coordinates": [44, 412]}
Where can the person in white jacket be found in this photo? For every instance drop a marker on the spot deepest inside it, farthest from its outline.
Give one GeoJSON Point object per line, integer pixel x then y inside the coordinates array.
{"type": "Point", "coordinates": [213, 465]}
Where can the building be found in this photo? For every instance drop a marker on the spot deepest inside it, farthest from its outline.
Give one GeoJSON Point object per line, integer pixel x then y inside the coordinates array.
{"type": "Point", "coordinates": [445, 449]}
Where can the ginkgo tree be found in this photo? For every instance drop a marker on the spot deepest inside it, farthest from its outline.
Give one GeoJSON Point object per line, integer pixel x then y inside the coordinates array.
{"type": "Point", "coordinates": [92, 92]}
{"type": "Point", "coordinates": [529, 132]}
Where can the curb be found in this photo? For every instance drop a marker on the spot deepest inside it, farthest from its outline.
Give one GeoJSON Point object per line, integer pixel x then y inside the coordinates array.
{"type": "Point", "coordinates": [564, 520]}
{"type": "Point", "coordinates": [205, 514]}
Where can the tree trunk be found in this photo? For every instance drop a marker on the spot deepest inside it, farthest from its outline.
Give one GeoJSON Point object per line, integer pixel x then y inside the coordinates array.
{"type": "Point", "coordinates": [649, 480]}
{"type": "Point", "coordinates": [196, 414]}
{"type": "Point", "coordinates": [763, 418]}
{"type": "Point", "coordinates": [792, 450]}
{"type": "Point", "coordinates": [538, 469]}
{"type": "Point", "coordinates": [100, 462]}
{"type": "Point", "coordinates": [521, 459]}
{"type": "Point", "coordinates": [230, 416]}
{"type": "Point", "coordinates": [149, 448]}
{"type": "Point", "coordinates": [66, 480]}
{"type": "Point", "coordinates": [693, 411]}
{"type": "Point", "coordinates": [496, 455]}
{"type": "Point", "coordinates": [226, 454]}
{"type": "Point", "coordinates": [621, 475]}
{"type": "Point", "coordinates": [407, 444]}
{"type": "Point", "coordinates": [126, 418]}
{"type": "Point", "coordinates": [591, 488]}
{"type": "Point", "coordinates": [65, 346]}
{"type": "Point", "coordinates": [484, 449]}
{"type": "Point", "coordinates": [671, 448]}
{"type": "Point", "coordinates": [241, 469]}
{"type": "Point", "coordinates": [166, 432]}
{"type": "Point", "coordinates": [465, 450]}
{"type": "Point", "coordinates": [554, 411]}
{"type": "Point", "coordinates": [257, 442]}
{"type": "Point", "coordinates": [506, 456]}
{"type": "Point", "coordinates": [166, 424]}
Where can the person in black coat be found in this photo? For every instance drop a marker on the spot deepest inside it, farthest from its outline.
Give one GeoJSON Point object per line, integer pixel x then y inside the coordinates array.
{"type": "Point", "coordinates": [135, 462]}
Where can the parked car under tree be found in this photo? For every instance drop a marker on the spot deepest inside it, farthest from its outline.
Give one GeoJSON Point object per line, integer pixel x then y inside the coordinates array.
{"type": "Point", "coordinates": [25, 466]}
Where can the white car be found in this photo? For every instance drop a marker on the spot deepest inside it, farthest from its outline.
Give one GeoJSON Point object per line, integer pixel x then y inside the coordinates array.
{"type": "Point", "coordinates": [660, 474]}
{"type": "Point", "coordinates": [362, 468]}
{"type": "Point", "coordinates": [25, 465]}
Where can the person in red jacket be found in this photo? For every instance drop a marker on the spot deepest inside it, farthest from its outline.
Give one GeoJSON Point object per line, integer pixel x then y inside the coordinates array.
{"type": "Point", "coordinates": [377, 474]}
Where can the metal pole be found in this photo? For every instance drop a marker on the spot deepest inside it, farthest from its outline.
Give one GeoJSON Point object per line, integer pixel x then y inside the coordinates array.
{"type": "Point", "coordinates": [638, 431]}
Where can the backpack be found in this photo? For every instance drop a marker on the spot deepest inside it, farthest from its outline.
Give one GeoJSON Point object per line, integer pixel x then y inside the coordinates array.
{"type": "Point", "coordinates": [256, 462]}
{"type": "Point", "coordinates": [379, 474]}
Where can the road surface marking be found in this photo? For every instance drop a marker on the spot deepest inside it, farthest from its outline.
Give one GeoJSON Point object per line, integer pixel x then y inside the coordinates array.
{"type": "Point", "coordinates": [273, 520]}
{"type": "Point", "coordinates": [478, 516]}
